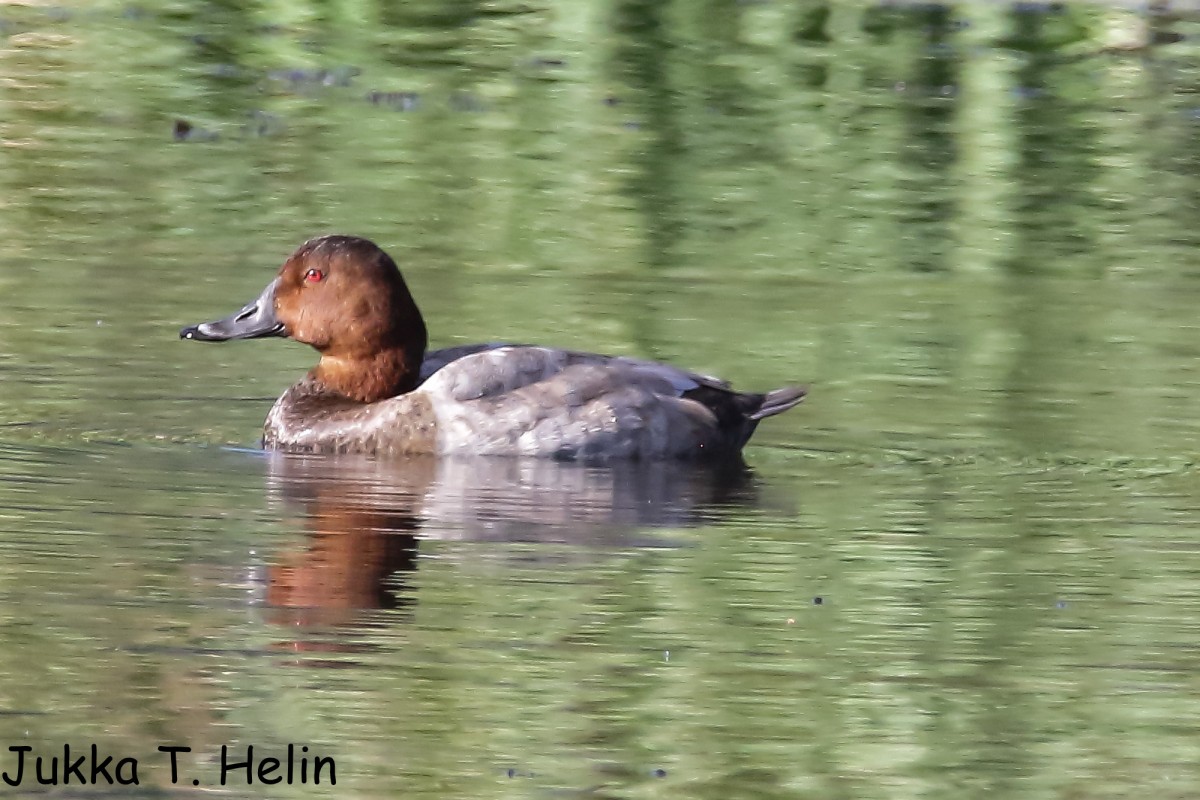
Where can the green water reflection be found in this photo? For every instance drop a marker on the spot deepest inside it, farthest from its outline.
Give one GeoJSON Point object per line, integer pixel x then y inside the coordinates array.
{"type": "Point", "coordinates": [971, 228]}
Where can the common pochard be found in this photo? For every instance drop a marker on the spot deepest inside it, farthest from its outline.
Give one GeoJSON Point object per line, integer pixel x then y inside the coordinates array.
{"type": "Point", "coordinates": [376, 389]}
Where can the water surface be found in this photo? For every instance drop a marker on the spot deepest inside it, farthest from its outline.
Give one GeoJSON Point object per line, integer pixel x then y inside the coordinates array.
{"type": "Point", "coordinates": [965, 567]}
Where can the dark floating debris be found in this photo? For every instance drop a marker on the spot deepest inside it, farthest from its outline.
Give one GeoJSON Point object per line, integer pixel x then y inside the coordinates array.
{"type": "Point", "coordinates": [818, 600]}
{"type": "Point", "coordinates": [465, 101]}
{"type": "Point", "coordinates": [263, 124]}
{"type": "Point", "coordinates": [184, 131]}
{"type": "Point", "coordinates": [335, 76]}
{"type": "Point", "coordinates": [222, 71]}
{"type": "Point", "coordinates": [1038, 8]}
{"type": "Point", "coordinates": [659, 773]}
{"type": "Point", "coordinates": [542, 62]}
{"type": "Point", "coordinates": [344, 75]}
{"type": "Point", "coordinates": [400, 101]}
{"type": "Point", "coordinates": [259, 124]}
{"type": "Point", "coordinates": [295, 75]}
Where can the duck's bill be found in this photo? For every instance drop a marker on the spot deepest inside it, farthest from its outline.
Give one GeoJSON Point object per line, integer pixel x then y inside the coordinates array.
{"type": "Point", "coordinates": [255, 320]}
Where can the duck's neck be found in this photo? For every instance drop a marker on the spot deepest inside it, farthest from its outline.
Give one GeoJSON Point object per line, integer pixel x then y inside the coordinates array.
{"type": "Point", "coordinates": [369, 378]}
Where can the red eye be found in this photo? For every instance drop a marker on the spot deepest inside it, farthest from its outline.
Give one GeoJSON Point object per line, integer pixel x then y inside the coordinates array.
{"type": "Point", "coordinates": [314, 276]}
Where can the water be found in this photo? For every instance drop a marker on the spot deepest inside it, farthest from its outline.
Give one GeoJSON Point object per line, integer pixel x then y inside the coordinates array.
{"type": "Point", "coordinates": [966, 566]}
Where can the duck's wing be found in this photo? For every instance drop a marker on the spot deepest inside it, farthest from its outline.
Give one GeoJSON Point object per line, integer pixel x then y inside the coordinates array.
{"type": "Point", "coordinates": [436, 359]}
{"type": "Point", "coordinates": [472, 372]}
{"type": "Point", "coordinates": [525, 400]}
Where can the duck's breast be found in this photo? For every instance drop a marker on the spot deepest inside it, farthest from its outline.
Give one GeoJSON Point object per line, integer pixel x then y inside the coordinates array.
{"type": "Point", "coordinates": [311, 419]}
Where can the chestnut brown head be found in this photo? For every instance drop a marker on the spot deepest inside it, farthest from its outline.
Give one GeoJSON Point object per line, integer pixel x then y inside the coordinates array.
{"type": "Point", "coordinates": [344, 296]}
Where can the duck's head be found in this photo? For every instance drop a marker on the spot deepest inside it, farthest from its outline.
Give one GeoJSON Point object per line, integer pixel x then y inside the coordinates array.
{"type": "Point", "coordinates": [345, 297]}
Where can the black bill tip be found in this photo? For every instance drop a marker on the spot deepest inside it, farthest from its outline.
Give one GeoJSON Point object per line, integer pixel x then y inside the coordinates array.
{"type": "Point", "coordinates": [255, 320]}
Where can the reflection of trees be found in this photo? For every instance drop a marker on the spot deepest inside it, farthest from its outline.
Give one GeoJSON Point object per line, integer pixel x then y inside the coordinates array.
{"type": "Point", "coordinates": [693, 181]}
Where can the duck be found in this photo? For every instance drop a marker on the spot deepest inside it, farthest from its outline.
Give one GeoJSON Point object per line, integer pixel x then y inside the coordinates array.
{"type": "Point", "coordinates": [377, 390]}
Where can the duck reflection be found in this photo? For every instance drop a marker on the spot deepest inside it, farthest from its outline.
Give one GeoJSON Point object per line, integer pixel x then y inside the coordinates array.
{"type": "Point", "coordinates": [365, 517]}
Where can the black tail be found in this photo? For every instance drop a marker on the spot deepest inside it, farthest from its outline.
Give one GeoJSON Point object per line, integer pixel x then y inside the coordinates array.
{"type": "Point", "coordinates": [738, 413]}
{"type": "Point", "coordinates": [777, 402]}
